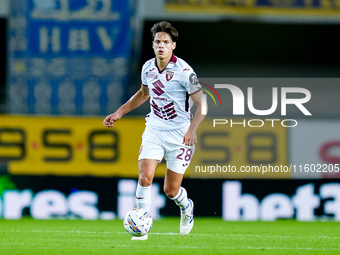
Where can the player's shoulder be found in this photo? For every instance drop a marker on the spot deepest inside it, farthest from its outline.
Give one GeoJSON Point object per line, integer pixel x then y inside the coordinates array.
{"type": "Point", "coordinates": [186, 71]}
{"type": "Point", "coordinates": [182, 65]}
{"type": "Point", "coordinates": [148, 64]}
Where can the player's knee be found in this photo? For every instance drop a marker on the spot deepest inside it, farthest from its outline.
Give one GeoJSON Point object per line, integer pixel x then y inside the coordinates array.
{"type": "Point", "coordinates": [169, 191]}
{"type": "Point", "coordinates": [145, 181]}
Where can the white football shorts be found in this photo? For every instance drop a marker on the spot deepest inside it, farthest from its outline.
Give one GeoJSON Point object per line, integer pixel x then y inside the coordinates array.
{"type": "Point", "coordinates": [157, 144]}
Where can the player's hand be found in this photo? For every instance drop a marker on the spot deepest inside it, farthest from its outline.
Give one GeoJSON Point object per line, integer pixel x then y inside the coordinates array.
{"type": "Point", "coordinates": [190, 138]}
{"type": "Point", "coordinates": [111, 119]}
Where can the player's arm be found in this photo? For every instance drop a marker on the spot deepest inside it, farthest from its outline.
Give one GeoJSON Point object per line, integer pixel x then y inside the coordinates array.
{"type": "Point", "coordinates": [190, 137]}
{"type": "Point", "coordinates": [135, 101]}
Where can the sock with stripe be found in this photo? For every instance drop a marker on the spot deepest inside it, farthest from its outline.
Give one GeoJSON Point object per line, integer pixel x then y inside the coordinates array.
{"type": "Point", "coordinates": [181, 199]}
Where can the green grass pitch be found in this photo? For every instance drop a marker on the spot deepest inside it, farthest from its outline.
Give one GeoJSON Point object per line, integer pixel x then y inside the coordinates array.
{"type": "Point", "coordinates": [209, 236]}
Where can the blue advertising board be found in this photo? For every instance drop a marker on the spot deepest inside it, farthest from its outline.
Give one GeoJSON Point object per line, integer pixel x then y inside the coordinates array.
{"type": "Point", "coordinates": [69, 56]}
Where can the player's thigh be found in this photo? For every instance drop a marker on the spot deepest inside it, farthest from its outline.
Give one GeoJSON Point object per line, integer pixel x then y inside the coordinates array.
{"type": "Point", "coordinates": [177, 155]}
{"type": "Point", "coordinates": [172, 182]}
{"type": "Point", "coordinates": [152, 146]}
{"type": "Point", "coordinates": [147, 169]}
{"type": "Point", "coordinates": [150, 155]}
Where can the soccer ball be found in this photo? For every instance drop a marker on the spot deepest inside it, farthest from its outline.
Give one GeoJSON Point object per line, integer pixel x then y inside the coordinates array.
{"type": "Point", "coordinates": [138, 222]}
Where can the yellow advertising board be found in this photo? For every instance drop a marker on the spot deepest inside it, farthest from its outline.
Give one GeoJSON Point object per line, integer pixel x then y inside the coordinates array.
{"type": "Point", "coordinates": [71, 146]}
{"type": "Point", "coordinates": [75, 146]}
{"type": "Point", "coordinates": [293, 8]}
{"type": "Point", "coordinates": [241, 148]}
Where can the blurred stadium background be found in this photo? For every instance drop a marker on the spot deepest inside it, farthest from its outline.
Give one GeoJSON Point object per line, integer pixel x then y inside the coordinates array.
{"type": "Point", "coordinates": [65, 64]}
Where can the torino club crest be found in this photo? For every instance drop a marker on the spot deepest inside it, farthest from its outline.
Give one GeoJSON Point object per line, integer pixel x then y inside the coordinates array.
{"type": "Point", "coordinates": [169, 75]}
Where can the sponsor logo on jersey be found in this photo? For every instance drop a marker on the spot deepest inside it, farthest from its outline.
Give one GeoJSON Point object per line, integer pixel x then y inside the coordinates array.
{"type": "Point", "coordinates": [158, 85]}
{"type": "Point", "coordinates": [169, 75]}
{"type": "Point", "coordinates": [193, 79]}
{"type": "Point", "coordinates": [166, 112]}
{"type": "Point", "coordinates": [151, 75]}
{"type": "Point", "coordinates": [161, 98]}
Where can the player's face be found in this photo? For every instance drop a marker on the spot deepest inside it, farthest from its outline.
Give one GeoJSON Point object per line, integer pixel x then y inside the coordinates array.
{"type": "Point", "coordinates": [163, 45]}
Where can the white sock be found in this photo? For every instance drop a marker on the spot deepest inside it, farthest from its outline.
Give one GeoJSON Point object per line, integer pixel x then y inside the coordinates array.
{"type": "Point", "coordinates": [143, 197]}
{"type": "Point", "coordinates": [181, 199]}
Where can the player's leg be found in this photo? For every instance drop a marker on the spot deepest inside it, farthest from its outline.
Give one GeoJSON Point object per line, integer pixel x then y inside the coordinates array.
{"type": "Point", "coordinates": [150, 154]}
{"type": "Point", "coordinates": [147, 168]}
{"type": "Point", "coordinates": [178, 157]}
{"type": "Point", "coordinates": [174, 191]}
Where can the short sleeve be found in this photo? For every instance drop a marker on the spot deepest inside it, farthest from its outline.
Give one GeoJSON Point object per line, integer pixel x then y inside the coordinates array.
{"type": "Point", "coordinates": [190, 81]}
{"type": "Point", "coordinates": [143, 74]}
{"type": "Point", "coordinates": [143, 78]}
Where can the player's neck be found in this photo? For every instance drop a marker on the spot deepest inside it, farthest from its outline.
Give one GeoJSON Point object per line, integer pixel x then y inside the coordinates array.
{"type": "Point", "coordinates": [162, 63]}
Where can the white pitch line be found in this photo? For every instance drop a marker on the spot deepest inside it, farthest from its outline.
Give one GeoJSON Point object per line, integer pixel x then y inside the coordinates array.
{"type": "Point", "coordinates": [169, 233]}
{"type": "Point", "coordinates": [186, 247]}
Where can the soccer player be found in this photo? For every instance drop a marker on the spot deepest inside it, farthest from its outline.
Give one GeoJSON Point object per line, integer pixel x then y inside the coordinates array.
{"type": "Point", "coordinates": [171, 84]}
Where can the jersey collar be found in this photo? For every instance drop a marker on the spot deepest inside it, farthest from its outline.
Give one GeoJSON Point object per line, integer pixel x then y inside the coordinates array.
{"type": "Point", "coordinates": [171, 63]}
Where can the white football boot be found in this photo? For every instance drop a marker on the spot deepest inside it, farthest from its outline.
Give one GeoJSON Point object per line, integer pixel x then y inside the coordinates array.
{"type": "Point", "coordinates": [140, 238]}
{"type": "Point", "coordinates": [187, 219]}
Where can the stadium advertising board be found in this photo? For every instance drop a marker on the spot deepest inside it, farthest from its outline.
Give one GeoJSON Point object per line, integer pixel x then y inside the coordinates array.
{"type": "Point", "coordinates": [248, 132]}
{"type": "Point", "coordinates": [70, 146]}
{"type": "Point", "coordinates": [82, 146]}
{"type": "Point", "coordinates": [315, 149]}
{"type": "Point", "coordinates": [304, 200]}
{"type": "Point", "coordinates": [240, 151]}
{"type": "Point", "coordinates": [66, 57]}
{"type": "Point", "coordinates": [48, 197]}
{"type": "Point", "coordinates": [265, 8]}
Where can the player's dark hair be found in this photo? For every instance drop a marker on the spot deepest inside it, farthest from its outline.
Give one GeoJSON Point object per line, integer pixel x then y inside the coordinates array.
{"type": "Point", "coordinates": [166, 27]}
